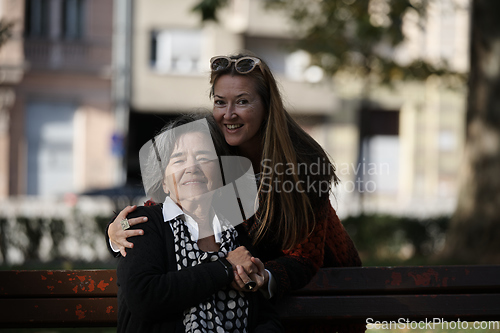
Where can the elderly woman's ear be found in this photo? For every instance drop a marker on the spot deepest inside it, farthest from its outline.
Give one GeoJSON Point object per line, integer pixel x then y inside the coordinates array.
{"type": "Point", "coordinates": [165, 187]}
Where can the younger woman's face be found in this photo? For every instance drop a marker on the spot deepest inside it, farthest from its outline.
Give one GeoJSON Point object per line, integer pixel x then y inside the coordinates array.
{"type": "Point", "coordinates": [193, 168]}
{"type": "Point", "coordinates": [238, 110]}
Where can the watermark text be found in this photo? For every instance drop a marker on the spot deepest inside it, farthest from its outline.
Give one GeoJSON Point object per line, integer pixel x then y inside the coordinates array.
{"type": "Point", "coordinates": [435, 323]}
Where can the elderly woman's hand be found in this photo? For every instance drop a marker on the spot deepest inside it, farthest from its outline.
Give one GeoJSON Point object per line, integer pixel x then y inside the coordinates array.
{"type": "Point", "coordinates": [241, 256]}
{"type": "Point", "coordinates": [118, 236]}
{"type": "Point", "coordinates": [244, 268]}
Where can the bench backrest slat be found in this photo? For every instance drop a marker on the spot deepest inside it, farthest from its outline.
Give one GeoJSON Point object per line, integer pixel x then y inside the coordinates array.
{"type": "Point", "coordinates": [403, 280]}
{"type": "Point", "coordinates": [84, 283]}
{"type": "Point", "coordinates": [328, 281]}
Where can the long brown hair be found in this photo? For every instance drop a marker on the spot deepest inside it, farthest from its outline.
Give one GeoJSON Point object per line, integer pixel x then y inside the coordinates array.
{"type": "Point", "coordinates": [286, 216]}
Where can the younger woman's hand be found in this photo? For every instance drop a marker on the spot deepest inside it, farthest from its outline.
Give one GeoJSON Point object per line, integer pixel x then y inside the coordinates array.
{"type": "Point", "coordinates": [260, 277]}
{"type": "Point", "coordinates": [119, 236]}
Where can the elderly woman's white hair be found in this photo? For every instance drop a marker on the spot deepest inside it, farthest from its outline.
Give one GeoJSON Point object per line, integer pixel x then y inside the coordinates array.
{"type": "Point", "coordinates": [155, 154]}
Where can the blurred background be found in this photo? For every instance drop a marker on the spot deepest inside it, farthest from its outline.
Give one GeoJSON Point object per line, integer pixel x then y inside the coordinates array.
{"type": "Point", "coordinates": [380, 84]}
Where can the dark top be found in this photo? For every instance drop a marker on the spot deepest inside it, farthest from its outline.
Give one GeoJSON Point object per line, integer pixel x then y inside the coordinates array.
{"type": "Point", "coordinates": [152, 294]}
{"type": "Point", "coordinates": [329, 245]}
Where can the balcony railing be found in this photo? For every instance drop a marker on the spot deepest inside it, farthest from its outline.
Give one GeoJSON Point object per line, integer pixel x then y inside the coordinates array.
{"type": "Point", "coordinates": [67, 55]}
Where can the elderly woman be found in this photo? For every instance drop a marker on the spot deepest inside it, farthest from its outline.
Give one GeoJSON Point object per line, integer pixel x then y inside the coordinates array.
{"type": "Point", "coordinates": [177, 276]}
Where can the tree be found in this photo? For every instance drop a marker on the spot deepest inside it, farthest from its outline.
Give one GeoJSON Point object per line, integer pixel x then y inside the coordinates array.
{"type": "Point", "coordinates": [349, 35]}
{"type": "Point", "coordinates": [474, 232]}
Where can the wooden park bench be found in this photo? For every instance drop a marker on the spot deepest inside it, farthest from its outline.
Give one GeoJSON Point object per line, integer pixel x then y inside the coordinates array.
{"type": "Point", "coordinates": [87, 298]}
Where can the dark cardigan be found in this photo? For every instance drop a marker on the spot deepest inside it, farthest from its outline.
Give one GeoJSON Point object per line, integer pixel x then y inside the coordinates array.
{"type": "Point", "coordinates": [152, 294]}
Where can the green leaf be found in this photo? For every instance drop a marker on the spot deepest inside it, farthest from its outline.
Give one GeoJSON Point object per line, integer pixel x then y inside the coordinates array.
{"type": "Point", "coordinates": [208, 9]}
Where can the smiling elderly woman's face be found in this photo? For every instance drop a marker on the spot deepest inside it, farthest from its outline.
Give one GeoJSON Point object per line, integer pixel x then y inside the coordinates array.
{"type": "Point", "coordinates": [193, 168]}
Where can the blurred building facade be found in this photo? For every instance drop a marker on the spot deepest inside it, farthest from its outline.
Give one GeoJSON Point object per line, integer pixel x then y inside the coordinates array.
{"type": "Point", "coordinates": [82, 85]}
{"type": "Point", "coordinates": [61, 122]}
{"type": "Point", "coordinates": [418, 168]}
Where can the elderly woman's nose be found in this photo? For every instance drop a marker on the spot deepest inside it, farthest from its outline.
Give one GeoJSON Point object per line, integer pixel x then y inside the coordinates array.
{"type": "Point", "coordinates": [192, 167]}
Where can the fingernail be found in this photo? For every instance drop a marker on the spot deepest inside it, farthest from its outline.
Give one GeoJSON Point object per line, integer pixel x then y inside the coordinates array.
{"type": "Point", "coordinates": [145, 219]}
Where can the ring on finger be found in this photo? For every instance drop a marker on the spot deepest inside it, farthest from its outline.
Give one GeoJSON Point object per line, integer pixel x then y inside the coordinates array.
{"type": "Point", "coordinates": [250, 285]}
{"type": "Point", "coordinates": [125, 224]}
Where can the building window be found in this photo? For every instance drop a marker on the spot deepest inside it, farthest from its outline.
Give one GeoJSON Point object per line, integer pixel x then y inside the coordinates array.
{"type": "Point", "coordinates": [38, 18]}
{"type": "Point", "coordinates": [55, 19]}
{"type": "Point", "coordinates": [50, 140]}
{"type": "Point", "coordinates": [378, 168]}
{"type": "Point", "coordinates": [176, 51]}
{"type": "Point", "coordinates": [73, 18]}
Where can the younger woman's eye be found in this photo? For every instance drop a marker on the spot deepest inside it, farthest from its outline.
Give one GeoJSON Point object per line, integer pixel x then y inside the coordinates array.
{"type": "Point", "coordinates": [219, 102]}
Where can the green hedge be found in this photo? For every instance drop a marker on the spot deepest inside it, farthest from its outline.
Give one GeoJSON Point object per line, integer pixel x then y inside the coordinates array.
{"type": "Point", "coordinates": [385, 239]}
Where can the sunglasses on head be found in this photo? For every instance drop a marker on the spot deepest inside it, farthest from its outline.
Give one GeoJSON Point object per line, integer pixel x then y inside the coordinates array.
{"type": "Point", "coordinates": [242, 65]}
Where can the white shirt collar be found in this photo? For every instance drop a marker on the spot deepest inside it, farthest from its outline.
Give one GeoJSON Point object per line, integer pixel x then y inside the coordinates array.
{"type": "Point", "coordinates": [171, 211]}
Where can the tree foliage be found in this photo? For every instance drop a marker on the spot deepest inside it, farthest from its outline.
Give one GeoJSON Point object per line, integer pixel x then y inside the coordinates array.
{"type": "Point", "coordinates": [5, 31]}
{"type": "Point", "coordinates": [208, 9]}
{"type": "Point", "coordinates": [356, 36]}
